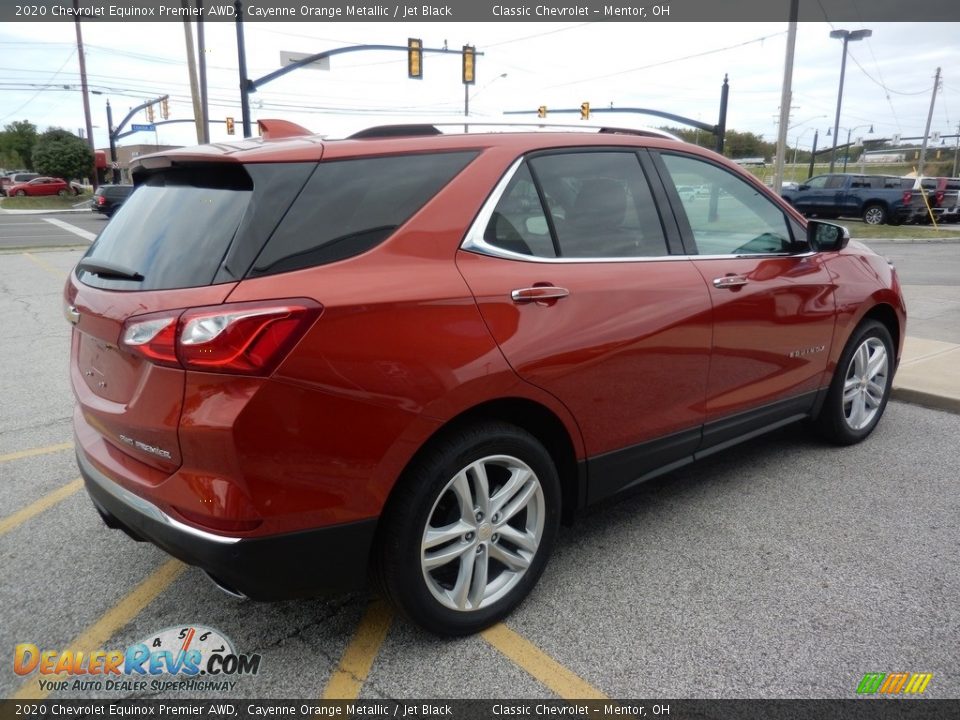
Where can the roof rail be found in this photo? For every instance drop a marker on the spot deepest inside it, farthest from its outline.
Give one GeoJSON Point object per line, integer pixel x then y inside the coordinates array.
{"type": "Point", "coordinates": [479, 124]}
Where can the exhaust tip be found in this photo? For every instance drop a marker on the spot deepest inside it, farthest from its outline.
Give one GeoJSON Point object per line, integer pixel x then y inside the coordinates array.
{"type": "Point", "coordinates": [224, 587]}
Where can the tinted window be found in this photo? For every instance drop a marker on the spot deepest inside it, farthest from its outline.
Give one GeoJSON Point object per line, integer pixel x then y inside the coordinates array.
{"type": "Point", "coordinates": [600, 205]}
{"type": "Point", "coordinates": [348, 206]}
{"type": "Point", "coordinates": [519, 224]}
{"type": "Point", "coordinates": [175, 229]}
{"type": "Point", "coordinates": [742, 220]}
{"type": "Point", "coordinates": [817, 183]}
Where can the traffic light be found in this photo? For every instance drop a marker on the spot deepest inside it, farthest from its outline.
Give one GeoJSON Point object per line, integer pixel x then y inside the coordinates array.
{"type": "Point", "coordinates": [415, 58]}
{"type": "Point", "coordinates": [230, 130]}
{"type": "Point", "coordinates": [542, 111]}
{"type": "Point", "coordinates": [585, 111]}
{"type": "Point", "coordinates": [469, 65]}
{"type": "Point", "coordinates": [165, 109]}
{"type": "Point", "coordinates": [149, 113]}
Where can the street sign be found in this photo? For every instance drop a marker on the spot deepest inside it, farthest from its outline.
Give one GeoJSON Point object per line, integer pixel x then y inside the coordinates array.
{"type": "Point", "coordinates": [143, 128]}
{"type": "Point", "coordinates": [288, 58]}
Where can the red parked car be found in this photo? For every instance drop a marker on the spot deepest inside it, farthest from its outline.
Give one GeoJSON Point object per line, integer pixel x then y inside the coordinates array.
{"type": "Point", "coordinates": [43, 186]}
{"type": "Point", "coordinates": [419, 352]}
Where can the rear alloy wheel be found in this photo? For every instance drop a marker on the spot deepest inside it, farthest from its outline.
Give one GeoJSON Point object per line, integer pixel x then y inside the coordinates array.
{"type": "Point", "coordinates": [471, 529]}
{"type": "Point", "coordinates": [62, 193]}
{"type": "Point", "coordinates": [861, 386]}
{"type": "Point", "coordinates": [874, 215]}
{"type": "Point", "coordinates": [19, 193]}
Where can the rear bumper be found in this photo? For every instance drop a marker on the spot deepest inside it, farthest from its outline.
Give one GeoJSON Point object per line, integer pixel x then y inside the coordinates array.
{"type": "Point", "coordinates": [279, 567]}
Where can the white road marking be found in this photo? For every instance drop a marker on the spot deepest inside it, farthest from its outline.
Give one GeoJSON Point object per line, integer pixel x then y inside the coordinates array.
{"type": "Point", "coordinates": [88, 236]}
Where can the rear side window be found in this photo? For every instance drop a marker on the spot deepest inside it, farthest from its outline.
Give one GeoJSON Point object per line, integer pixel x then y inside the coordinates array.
{"type": "Point", "coordinates": [175, 229]}
{"type": "Point", "coordinates": [349, 206]}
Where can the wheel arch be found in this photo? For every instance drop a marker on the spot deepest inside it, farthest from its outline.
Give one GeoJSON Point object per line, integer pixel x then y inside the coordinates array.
{"type": "Point", "coordinates": [533, 417]}
{"type": "Point", "coordinates": [886, 316]}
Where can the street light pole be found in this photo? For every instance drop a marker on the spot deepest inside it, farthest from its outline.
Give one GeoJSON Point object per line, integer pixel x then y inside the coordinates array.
{"type": "Point", "coordinates": [847, 37]}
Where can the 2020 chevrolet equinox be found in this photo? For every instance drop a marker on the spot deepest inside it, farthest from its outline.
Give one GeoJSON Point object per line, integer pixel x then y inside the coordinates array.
{"type": "Point", "coordinates": [297, 359]}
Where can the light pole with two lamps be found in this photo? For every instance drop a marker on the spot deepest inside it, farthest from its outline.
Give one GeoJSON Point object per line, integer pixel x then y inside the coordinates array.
{"type": "Point", "coordinates": [847, 36]}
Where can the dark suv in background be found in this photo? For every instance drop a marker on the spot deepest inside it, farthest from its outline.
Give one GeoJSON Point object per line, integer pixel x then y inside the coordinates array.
{"type": "Point", "coordinates": [108, 198]}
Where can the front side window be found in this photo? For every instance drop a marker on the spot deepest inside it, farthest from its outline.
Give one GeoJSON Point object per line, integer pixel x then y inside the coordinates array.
{"type": "Point", "coordinates": [578, 205]}
{"type": "Point", "coordinates": [736, 219]}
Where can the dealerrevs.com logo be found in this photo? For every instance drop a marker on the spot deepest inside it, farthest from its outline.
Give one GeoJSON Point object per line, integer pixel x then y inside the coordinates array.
{"type": "Point", "coordinates": [894, 683]}
{"type": "Point", "coordinates": [189, 658]}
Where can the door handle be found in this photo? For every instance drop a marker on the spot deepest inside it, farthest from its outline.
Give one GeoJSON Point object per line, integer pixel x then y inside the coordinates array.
{"type": "Point", "coordinates": [730, 282]}
{"type": "Point", "coordinates": [546, 294]}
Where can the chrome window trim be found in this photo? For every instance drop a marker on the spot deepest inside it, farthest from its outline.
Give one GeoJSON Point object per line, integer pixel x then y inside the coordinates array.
{"type": "Point", "coordinates": [474, 241]}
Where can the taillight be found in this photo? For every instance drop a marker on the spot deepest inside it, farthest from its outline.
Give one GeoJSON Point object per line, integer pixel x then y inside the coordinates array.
{"type": "Point", "coordinates": [938, 198]}
{"type": "Point", "coordinates": [907, 197]}
{"type": "Point", "coordinates": [242, 338]}
{"type": "Point", "coordinates": [101, 200]}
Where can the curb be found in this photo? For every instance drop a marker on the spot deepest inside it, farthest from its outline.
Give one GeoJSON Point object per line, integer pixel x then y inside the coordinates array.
{"type": "Point", "coordinates": [926, 399]}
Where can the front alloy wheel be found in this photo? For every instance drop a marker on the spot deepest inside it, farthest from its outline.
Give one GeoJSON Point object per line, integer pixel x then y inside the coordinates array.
{"type": "Point", "coordinates": [468, 530]}
{"type": "Point", "coordinates": [865, 387]}
{"type": "Point", "coordinates": [861, 386]}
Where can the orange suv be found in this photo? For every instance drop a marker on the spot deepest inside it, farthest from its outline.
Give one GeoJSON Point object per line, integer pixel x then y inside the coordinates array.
{"type": "Point", "coordinates": [296, 359]}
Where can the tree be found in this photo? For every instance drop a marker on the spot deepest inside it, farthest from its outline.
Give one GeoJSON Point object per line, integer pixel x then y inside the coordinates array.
{"type": "Point", "coordinates": [60, 153]}
{"type": "Point", "coordinates": [16, 143]}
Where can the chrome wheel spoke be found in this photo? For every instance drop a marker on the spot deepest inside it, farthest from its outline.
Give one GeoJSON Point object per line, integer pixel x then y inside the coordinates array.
{"type": "Point", "coordinates": [523, 540]}
{"type": "Point", "coordinates": [517, 478]}
{"type": "Point", "coordinates": [439, 536]}
{"type": "Point", "coordinates": [860, 361]}
{"type": "Point", "coordinates": [850, 390]}
{"type": "Point", "coordinates": [512, 560]}
{"type": "Point", "coordinates": [481, 487]}
{"type": "Point", "coordinates": [519, 502]}
{"type": "Point", "coordinates": [478, 588]}
{"type": "Point", "coordinates": [877, 364]}
{"type": "Point", "coordinates": [434, 560]}
{"type": "Point", "coordinates": [461, 589]}
{"type": "Point", "coordinates": [461, 488]}
{"type": "Point", "coordinates": [875, 391]}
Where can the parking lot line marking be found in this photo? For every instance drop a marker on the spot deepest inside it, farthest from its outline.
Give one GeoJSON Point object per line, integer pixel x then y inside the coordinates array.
{"type": "Point", "coordinates": [85, 234]}
{"type": "Point", "coordinates": [94, 637]}
{"type": "Point", "coordinates": [541, 666]}
{"type": "Point", "coordinates": [19, 454]}
{"type": "Point", "coordinates": [33, 509]}
{"type": "Point", "coordinates": [45, 265]}
{"type": "Point", "coordinates": [351, 673]}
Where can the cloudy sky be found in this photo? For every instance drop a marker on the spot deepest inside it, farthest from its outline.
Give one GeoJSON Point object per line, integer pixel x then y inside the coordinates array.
{"type": "Point", "coordinates": [676, 67]}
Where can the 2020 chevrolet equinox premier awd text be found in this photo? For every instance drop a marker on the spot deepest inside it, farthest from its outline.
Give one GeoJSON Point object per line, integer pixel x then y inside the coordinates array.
{"type": "Point", "coordinates": [418, 352]}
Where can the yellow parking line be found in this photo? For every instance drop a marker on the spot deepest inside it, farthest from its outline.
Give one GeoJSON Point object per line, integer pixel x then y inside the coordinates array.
{"type": "Point", "coordinates": [94, 637]}
{"type": "Point", "coordinates": [43, 264]}
{"type": "Point", "coordinates": [35, 451]}
{"type": "Point", "coordinates": [35, 508]}
{"type": "Point", "coordinates": [543, 667]}
{"type": "Point", "coordinates": [348, 678]}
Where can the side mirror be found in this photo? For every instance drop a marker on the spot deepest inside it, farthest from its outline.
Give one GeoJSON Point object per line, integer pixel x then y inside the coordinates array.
{"type": "Point", "coordinates": [826, 237]}
{"type": "Point", "coordinates": [803, 187]}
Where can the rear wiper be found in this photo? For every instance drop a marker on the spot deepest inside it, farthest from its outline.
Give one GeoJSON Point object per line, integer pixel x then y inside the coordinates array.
{"type": "Point", "coordinates": [108, 269]}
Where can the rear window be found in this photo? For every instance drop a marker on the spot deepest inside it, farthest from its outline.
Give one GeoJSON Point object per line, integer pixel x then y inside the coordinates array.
{"type": "Point", "coordinates": [349, 206]}
{"type": "Point", "coordinates": [175, 230]}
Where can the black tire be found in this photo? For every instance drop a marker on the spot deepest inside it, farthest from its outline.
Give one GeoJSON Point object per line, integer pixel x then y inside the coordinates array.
{"type": "Point", "coordinates": [62, 193]}
{"type": "Point", "coordinates": [20, 193]}
{"type": "Point", "coordinates": [426, 499]}
{"type": "Point", "coordinates": [875, 214]}
{"type": "Point", "coordinates": [838, 420]}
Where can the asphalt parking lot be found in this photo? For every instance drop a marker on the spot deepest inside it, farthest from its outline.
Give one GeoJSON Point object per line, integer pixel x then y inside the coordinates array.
{"type": "Point", "coordinates": [782, 568]}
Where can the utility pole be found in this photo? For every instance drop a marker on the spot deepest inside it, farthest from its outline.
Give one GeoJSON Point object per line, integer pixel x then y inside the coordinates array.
{"type": "Point", "coordinates": [813, 153]}
{"type": "Point", "coordinates": [114, 170]}
{"type": "Point", "coordinates": [956, 152]}
{"type": "Point", "coordinates": [242, 67]}
{"type": "Point", "coordinates": [785, 98]}
{"type": "Point", "coordinates": [83, 86]}
{"type": "Point", "coordinates": [926, 132]}
{"type": "Point", "coordinates": [202, 52]}
{"type": "Point", "coordinates": [192, 71]}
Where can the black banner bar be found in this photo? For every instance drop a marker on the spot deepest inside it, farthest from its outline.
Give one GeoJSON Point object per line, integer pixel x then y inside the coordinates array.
{"type": "Point", "coordinates": [835, 11]}
{"type": "Point", "coordinates": [233, 709]}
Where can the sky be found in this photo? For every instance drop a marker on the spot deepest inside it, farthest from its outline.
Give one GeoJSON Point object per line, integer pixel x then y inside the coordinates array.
{"type": "Point", "coordinates": [675, 67]}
